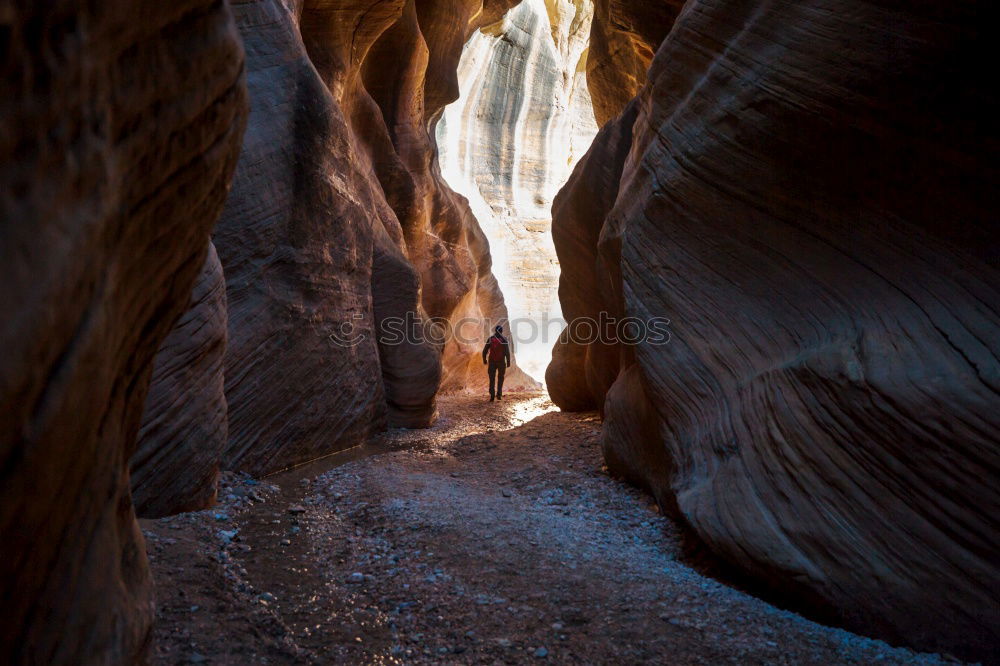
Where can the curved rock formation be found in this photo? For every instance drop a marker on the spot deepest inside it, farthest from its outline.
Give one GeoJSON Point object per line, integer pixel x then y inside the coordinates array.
{"type": "Point", "coordinates": [120, 129]}
{"type": "Point", "coordinates": [582, 370]}
{"type": "Point", "coordinates": [806, 195]}
{"type": "Point", "coordinates": [339, 230]}
{"type": "Point", "coordinates": [443, 239]}
{"type": "Point", "coordinates": [623, 38]}
{"type": "Point", "coordinates": [175, 466]}
{"type": "Point", "coordinates": [296, 244]}
{"type": "Point", "coordinates": [510, 141]}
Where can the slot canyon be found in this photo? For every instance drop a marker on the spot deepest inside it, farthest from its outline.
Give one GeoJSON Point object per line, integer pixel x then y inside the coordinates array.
{"type": "Point", "coordinates": [252, 250]}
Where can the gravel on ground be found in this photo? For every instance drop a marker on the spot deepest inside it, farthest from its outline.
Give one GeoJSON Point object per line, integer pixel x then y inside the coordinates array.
{"type": "Point", "coordinates": [494, 537]}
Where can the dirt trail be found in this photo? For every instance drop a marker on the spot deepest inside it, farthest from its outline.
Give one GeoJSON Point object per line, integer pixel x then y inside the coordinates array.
{"type": "Point", "coordinates": [494, 537]}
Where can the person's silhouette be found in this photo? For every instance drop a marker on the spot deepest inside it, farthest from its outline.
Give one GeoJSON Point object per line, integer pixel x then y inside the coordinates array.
{"type": "Point", "coordinates": [498, 352]}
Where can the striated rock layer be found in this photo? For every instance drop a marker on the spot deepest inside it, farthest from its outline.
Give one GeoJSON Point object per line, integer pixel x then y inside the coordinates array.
{"type": "Point", "coordinates": [296, 241]}
{"type": "Point", "coordinates": [339, 232]}
{"type": "Point", "coordinates": [510, 141]}
{"type": "Point", "coordinates": [624, 36]}
{"type": "Point", "coordinates": [175, 466]}
{"type": "Point", "coordinates": [120, 129]}
{"type": "Point", "coordinates": [804, 190]}
{"type": "Point", "coordinates": [443, 239]}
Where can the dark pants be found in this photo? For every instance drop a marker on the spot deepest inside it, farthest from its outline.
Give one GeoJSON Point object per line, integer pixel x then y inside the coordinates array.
{"type": "Point", "coordinates": [497, 370]}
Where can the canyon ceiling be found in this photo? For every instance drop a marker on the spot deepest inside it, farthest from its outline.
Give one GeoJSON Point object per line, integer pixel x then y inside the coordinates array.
{"type": "Point", "coordinates": [198, 198]}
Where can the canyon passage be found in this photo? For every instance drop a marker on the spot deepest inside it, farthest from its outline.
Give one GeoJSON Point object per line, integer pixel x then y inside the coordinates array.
{"type": "Point", "coordinates": [495, 536]}
{"type": "Point", "coordinates": [251, 250]}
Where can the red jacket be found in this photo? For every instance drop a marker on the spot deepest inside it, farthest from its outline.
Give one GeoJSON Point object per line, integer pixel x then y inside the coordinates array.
{"type": "Point", "coordinates": [497, 352]}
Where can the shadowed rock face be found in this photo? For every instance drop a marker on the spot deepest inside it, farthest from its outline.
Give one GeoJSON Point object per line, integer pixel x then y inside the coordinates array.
{"type": "Point", "coordinates": [443, 239]}
{"type": "Point", "coordinates": [338, 220]}
{"type": "Point", "coordinates": [803, 190]}
{"type": "Point", "coordinates": [120, 130]}
{"type": "Point", "coordinates": [175, 466]}
{"type": "Point", "coordinates": [296, 241]}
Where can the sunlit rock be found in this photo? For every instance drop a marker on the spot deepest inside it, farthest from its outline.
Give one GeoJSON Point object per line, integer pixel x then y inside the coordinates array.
{"type": "Point", "coordinates": [523, 120]}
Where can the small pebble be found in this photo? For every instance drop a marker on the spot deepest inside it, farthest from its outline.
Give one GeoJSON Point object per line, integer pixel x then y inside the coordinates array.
{"type": "Point", "coordinates": [227, 536]}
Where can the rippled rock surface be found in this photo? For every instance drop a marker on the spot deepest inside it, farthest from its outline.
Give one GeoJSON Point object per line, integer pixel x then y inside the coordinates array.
{"type": "Point", "coordinates": [523, 120]}
{"type": "Point", "coordinates": [176, 463]}
{"type": "Point", "coordinates": [338, 221]}
{"type": "Point", "coordinates": [120, 124]}
{"type": "Point", "coordinates": [803, 190]}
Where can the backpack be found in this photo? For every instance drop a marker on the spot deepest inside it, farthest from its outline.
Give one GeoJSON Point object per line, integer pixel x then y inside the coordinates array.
{"type": "Point", "coordinates": [496, 349]}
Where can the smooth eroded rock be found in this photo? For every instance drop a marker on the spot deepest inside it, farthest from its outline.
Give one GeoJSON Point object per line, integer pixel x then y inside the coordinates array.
{"type": "Point", "coordinates": [302, 375]}
{"type": "Point", "coordinates": [120, 129]}
{"type": "Point", "coordinates": [339, 233]}
{"type": "Point", "coordinates": [807, 198]}
{"type": "Point", "coordinates": [175, 466]}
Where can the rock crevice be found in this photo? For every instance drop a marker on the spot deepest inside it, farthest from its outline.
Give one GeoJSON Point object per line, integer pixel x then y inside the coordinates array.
{"type": "Point", "coordinates": [522, 121]}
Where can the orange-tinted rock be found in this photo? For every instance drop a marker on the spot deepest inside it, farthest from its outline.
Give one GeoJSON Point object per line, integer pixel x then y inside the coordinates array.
{"type": "Point", "coordinates": [808, 199]}
{"type": "Point", "coordinates": [120, 128]}
{"type": "Point", "coordinates": [443, 240]}
{"type": "Point", "coordinates": [176, 463]}
{"type": "Point", "coordinates": [623, 38]}
{"type": "Point", "coordinates": [296, 245]}
{"type": "Point", "coordinates": [338, 221]}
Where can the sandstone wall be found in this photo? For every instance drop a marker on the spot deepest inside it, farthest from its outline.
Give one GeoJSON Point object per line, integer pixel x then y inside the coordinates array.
{"type": "Point", "coordinates": [624, 36]}
{"type": "Point", "coordinates": [176, 462]}
{"type": "Point", "coordinates": [296, 241]}
{"type": "Point", "coordinates": [339, 219]}
{"type": "Point", "coordinates": [803, 189]}
{"type": "Point", "coordinates": [120, 128]}
{"type": "Point", "coordinates": [443, 238]}
{"type": "Point", "coordinates": [508, 144]}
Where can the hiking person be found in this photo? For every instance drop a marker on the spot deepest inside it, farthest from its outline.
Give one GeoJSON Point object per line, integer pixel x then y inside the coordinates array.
{"type": "Point", "coordinates": [499, 360]}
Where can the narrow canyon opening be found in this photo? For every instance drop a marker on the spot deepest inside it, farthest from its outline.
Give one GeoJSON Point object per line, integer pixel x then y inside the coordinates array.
{"type": "Point", "coordinates": [522, 121]}
{"type": "Point", "coordinates": [245, 415]}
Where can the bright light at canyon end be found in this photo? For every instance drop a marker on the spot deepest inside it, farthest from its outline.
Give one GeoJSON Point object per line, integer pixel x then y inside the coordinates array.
{"type": "Point", "coordinates": [523, 120]}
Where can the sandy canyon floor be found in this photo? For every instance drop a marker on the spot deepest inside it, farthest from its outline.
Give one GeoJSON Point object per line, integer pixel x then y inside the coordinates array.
{"type": "Point", "coordinates": [494, 537]}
